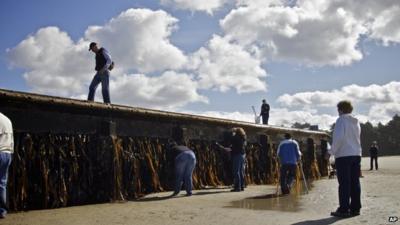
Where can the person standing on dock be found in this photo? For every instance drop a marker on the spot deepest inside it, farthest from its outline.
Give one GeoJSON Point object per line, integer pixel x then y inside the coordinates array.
{"type": "Point", "coordinates": [6, 151]}
{"type": "Point", "coordinates": [264, 111]}
{"type": "Point", "coordinates": [289, 154]}
{"type": "Point", "coordinates": [346, 148]}
{"type": "Point", "coordinates": [103, 67]}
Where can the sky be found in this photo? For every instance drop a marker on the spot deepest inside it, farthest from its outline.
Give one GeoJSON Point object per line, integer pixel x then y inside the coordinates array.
{"type": "Point", "coordinates": [214, 58]}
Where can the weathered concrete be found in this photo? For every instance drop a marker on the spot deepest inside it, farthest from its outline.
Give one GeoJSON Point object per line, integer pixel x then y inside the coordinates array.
{"type": "Point", "coordinates": [73, 152]}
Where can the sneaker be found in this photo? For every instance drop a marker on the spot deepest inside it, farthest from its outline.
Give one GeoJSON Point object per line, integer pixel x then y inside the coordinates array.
{"type": "Point", "coordinates": [175, 193]}
{"type": "Point", "coordinates": [340, 214]}
{"type": "Point", "coordinates": [189, 194]}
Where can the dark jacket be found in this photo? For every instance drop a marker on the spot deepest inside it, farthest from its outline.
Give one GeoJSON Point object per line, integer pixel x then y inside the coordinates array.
{"type": "Point", "coordinates": [100, 60]}
{"type": "Point", "coordinates": [264, 109]}
{"type": "Point", "coordinates": [238, 145]}
{"type": "Point", "coordinates": [373, 151]}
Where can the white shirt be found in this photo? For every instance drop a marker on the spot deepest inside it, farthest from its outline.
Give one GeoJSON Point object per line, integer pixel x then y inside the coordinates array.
{"type": "Point", "coordinates": [6, 135]}
{"type": "Point", "coordinates": [346, 137]}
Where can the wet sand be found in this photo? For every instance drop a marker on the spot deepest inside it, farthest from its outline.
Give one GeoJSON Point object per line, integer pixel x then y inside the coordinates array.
{"type": "Point", "coordinates": [256, 205]}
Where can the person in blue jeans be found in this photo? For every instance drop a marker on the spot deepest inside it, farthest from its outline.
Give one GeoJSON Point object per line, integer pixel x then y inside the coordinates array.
{"type": "Point", "coordinates": [289, 154]}
{"type": "Point", "coordinates": [238, 156]}
{"type": "Point", "coordinates": [346, 148]}
{"type": "Point", "coordinates": [103, 63]}
{"type": "Point", "coordinates": [185, 162]}
{"type": "Point", "coordinates": [6, 150]}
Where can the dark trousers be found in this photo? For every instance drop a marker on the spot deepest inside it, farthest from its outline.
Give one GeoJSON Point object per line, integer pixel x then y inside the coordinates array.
{"type": "Point", "coordinates": [288, 173]}
{"type": "Point", "coordinates": [102, 78]}
{"type": "Point", "coordinates": [265, 119]}
{"type": "Point", "coordinates": [376, 162]}
{"type": "Point", "coordinates": [348, 174]}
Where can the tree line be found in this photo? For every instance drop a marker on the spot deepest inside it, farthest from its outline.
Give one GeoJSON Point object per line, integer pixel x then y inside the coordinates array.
{"type": "Point", "coordinates": [387, 135]}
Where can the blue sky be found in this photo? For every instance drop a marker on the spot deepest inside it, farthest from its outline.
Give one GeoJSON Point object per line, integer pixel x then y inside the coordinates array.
{"type": "Point", "coordinates": [215, 58]}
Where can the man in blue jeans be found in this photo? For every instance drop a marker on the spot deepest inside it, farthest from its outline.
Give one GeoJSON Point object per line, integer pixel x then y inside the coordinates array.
{"type": "Point", "coordinates": [6, 150]}
{"type": "Point", "coordinates": [103, 63]}
{"type": "Point", "coordinates": [289, 154]}
{"type": "Point", "coordinates": [346, 148]}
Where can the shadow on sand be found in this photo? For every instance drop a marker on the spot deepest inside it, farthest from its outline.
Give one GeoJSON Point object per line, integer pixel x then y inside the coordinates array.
{"type": "Point", "coordinates": [325, 221]}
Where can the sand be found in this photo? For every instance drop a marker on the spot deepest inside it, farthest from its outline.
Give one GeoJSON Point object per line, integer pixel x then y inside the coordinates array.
{"type": "Point", "coordinates": [380, 199]}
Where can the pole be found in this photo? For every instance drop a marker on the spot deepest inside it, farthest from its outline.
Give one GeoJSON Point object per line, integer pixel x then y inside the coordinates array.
{"type": "Point", "coordinates": [304, 177]}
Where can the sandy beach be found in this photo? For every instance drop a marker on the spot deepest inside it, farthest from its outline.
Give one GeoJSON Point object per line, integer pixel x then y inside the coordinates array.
{"type": "Point", "coordinates": [256, 205]}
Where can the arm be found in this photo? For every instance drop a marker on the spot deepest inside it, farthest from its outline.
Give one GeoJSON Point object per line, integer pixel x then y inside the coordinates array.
{"type": "Point", "coordinates": [108, 60]}
{"type": "Point", "coordinates": [337, 137]}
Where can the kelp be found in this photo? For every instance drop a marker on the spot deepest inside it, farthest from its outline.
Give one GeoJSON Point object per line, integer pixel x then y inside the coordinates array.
{"type": "Point", "coordinates": [59, 170]}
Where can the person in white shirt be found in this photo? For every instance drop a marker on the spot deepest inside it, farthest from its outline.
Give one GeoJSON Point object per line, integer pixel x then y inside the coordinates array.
{"type": "Point", "coordinates": [6, 150]}
{"type": "Point", "coordinates": [346, 148]}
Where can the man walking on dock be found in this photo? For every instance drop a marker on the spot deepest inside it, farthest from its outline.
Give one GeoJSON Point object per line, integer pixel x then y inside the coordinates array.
{"type": "Point", "coordinates": [103, 67]}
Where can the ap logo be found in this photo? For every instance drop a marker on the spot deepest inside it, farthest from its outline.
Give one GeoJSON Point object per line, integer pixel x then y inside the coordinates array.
{"type": "Point", "coordinates": [393, 219]}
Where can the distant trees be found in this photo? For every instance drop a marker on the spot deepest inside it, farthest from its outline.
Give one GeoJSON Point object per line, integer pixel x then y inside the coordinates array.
{"type": "Point", "coordinates": [387, 136]}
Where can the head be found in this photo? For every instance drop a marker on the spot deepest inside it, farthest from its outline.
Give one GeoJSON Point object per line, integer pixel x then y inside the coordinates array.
{"type": "Point", "coordinates": [93, 47]}
{"type": "Point", "coordinates": [344, 107]}
{"type": "Point", "coordinates": [374, 143]}
{"type": "Point", "coordinates": [264, 101]}
{"type": "Point", "coordinates": [239, 131]}
{"type": "Point", "coordinates": [287, 136]}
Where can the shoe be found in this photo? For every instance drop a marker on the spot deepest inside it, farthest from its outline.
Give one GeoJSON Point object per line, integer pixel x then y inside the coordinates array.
{"type": "Point", "coordinates": [3, 215]}
{"type": "Point", "coordinates": [235, 190]}
{"type": "Point", "coordinates": [189, 194]}
{"type": "Point", "coordinates": [175, 193]}
{"type": "Point", "coordinates": [354, 212]}
{"type": "Point", "coordinates": [340, 214]}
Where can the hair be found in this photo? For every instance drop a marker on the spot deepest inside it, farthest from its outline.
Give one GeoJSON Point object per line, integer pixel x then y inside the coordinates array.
{"type": "Point", "coordinates": [345, 106]}
{"type": "Point", "coordinates": [288, 136]}
{"type": "Point", "coordinates": [240, 131]}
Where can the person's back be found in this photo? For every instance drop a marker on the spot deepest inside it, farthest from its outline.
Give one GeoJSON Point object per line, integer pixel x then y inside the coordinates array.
{"type": "Point", "coordinates": [288, 152]}
{"type": "Point", "coordinates": [6, 134]}
{"type": "Point", "coordinates": [6, 150]}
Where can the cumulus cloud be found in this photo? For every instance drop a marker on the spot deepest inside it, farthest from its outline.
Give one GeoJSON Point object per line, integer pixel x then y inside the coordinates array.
{"type": "Point", "coordinates": [223, 65]}
{"type": "Point", "coordinates": [170, 90]}
{"type": "Point", "coordinates": [372, 94]}
{"type": "Point", "coordinates": [312, 32]}
{"type": "Point", "coordinates": [139, 39]}
{"type": "Point", "coordinates": [53, 62]}
{"type": "Point", "coordinates": [208, 6]}
{"type": "Point", "coordinates": [382, 101]}
{"type": "Point", "coordinates": [278, 117]}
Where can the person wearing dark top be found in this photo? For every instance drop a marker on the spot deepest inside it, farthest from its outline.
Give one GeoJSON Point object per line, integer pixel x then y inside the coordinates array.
{"type": "Point", "coordinates": [238, 156]}
{"type": "Point", "coordinates": [103, 63]}
{"type": "Point", "coordinates": [264, 111]}
{"type": "Point", "coordinates": [185, 161]}
{"type": "Point", "coordinates": [373, 153]}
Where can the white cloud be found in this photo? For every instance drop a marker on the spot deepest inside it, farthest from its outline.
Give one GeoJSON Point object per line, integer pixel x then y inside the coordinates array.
{"type": "Point", "coordinates": [222, 65]}
{"type": "Point", "coordinates": [139, 39]}
{"type": "Point", "coordinates": [208, 6]}
{"type": "Point", "coordinates": [372, 94]}
{"type": "Point", "coordinates": [54, 63]}
{"type": "Point", "coordinates": [297, 34]}
{"type": "Point", "coordinates": [312, 32]}
{"type": "Point", "coordinates": [382, 101]}
{"type": "Point", "coordinates": [169, 91]}
{"type": "Point", "coordinates": [278, 117]}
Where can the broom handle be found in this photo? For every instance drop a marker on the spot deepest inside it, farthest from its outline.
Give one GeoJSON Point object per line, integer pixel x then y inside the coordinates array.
{"type": "Point", "coordinates": [304, 177]}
